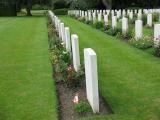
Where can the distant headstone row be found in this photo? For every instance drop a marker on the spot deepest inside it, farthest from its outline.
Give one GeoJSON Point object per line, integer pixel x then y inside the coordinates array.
{"type": "Point", "coordinates": [125, 16]}
{"type": "Point", "coordinates": [71, 43]}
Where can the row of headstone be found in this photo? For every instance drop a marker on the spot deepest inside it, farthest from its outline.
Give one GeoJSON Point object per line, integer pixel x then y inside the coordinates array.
{"type": "Point", "coordinates": [90, 59]}
{"type": "Point", "coordinates": [93, 14]}
{"type": "Point", "coordinates": [138, 23]}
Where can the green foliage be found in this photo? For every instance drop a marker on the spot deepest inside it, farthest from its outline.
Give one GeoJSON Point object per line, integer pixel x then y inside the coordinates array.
{"type": "Point", "coordinates": [81, 19]}
{"type": "Point", "coordinates": [83, 107]}
{"type": "Point", "coordinates": [132, 21]}
{"type": "Point", "coordinates": [78, 4]}
{"type": "Point", "coordinates": [59, 4]}
{"type": "Point", "coordinates": [156, 17]}
{"type": "Point", "coordinates": [74, 78]}
{"type": "Point", "coordinates": [157, 50]}
{"type": "Point", "coordinates": [144, 43]}
{"type": "Point", "coordinates": [144, 19]}
{"type": "Point", "coordinates": [125, 36]}
{"type": "Point", "coordinates": [7, 9]}
{"type": "Point", "coordinates": [39, 7]}
{"type": "Point", "coordinates": [98, 25]}
{"type": "Point", "coordinates": [89, 22]}
{"type": "Point", "coordinates": [63, 11]}
{"type": "Point", "coordinates": [113, 32]}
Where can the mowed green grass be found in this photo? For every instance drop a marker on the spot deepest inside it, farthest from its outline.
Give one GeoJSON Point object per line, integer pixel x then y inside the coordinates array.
{"type": "Point", "coordinates": [27, 90]}
{"type": "Point", "coordinates": [129, 78]}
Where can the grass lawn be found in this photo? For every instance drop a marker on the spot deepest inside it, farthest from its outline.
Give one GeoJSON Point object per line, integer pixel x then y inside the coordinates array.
{"type": "Point", "coordinates": [129, 78]}
{"type": "Point", "coordinates": [27, 90]}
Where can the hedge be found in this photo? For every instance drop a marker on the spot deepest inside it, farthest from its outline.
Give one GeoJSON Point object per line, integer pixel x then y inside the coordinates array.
{"type": "Point", "coordinates": [60, 11]}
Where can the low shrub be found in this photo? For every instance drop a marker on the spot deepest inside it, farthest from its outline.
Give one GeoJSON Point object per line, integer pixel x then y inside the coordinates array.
{"type": "Point", "coordinates": [113, 32]}
{"type": "Point", "coordinates": [39, 7]}
{"type": "Point", "coordinates": [74, 78]}
{"type": "Point", "coordinates": [156, 17]}
{"type": "Point", "coordinates": [132, 21]}
{"type": "Point", "coordinates": [98, 25]}
{"type": "Point", "coordinates": [83, 107]}
{"type": "Point", "coordinates": [60, 11]}
{"type": "Point", "coordinates": [126, 36]}
{"type": "Point", "coordinates": [81, 19]}
{"type": "Point", "coordinates": [144, 19]}
{"type": "Point", "coordinates": [144, 43]}
{"type": "Point", "coordinates": [89, 22]}
{"type": "Point", "coordinates": [157, 51]}
{"type": "Point", "coordinates": [107, 27]}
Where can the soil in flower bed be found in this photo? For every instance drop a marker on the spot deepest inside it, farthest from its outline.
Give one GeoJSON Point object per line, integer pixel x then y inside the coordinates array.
{"type": "Point", "coordinates": [66, 108]}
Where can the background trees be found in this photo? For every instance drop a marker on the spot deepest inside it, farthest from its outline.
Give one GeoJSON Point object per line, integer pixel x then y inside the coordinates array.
{"type": "Point", "coordinates": [114, 4]}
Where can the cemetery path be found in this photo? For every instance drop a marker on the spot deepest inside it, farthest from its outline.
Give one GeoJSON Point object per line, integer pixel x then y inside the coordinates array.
{"type": "Point", "coordinates": [27, 90]}
{"type": "Point", "coordinates": [129, 78]}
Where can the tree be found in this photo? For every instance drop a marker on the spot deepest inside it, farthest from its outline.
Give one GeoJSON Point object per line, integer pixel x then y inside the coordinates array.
{"type": "Point", "coordinates": [29, 3]}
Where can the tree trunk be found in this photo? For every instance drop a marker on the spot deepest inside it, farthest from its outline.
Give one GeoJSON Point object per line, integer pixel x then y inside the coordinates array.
{"type": "Point", "coordinates": [29, 6]}
{"type": "Point", "coordinates": [107, 4]}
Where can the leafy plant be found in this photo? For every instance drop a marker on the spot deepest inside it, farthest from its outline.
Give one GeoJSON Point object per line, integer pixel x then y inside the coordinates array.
{"type": "Point", "coordinates": [157, 50]}
{"type": "Point", "coordinates": [144, 43]}
{"type": "Point", "coordinates": [89, 22]}
{"type": "Point", "coordinates": [98, 25]}
{"type": "Point", "coordinates": [156, 17]}
{"type": "Point", "coordinates": [83, 107]}
{"type": "Point", "coordinates": [74, 78]}
{"type": "Point", "coordinates": [81, 19]}
{"type": "Point", "coordinates": [125, 36]}
{"type": "Point", "coordinates": [132, 21]}
{"type": "Point", "coordinates": [144, 19]}
{"type": "Point", "coordinates": [113, 32]}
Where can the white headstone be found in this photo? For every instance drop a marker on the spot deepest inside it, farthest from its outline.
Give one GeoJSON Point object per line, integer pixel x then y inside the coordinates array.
{"type": "Point", "coordinates": [99, 17]}
{"type": "Point", "coordinates": [114, 22]}
{"type": "Point", "coordinates": [63, 33]}
{"type": "Point", "coordinates": [106, 19]}
{"type": "Point", "coordinates": [89, 16]}
{"type": "Point", "coordinates": [67, 38]}
{"type": "Point", "coordinates": [94, 17]}
{"type": "Point", "coordinates": [75, 52]}
{"type": "Point", "coordinates": [90, 59]}
{"type": "Point", "coordinates": [59, 27]}
{"type": "Point", "coordinates": [124, 25]}
{"type": "Point", "coordinates": [131, 15]}
{"type": "Point", "coordinates": [139, 15]}
{"type": "Point", "coordinates": [149, 20]}
{"type": "Point", "coordinates": [156, 35]}
{"type": "Point", "coordinates": [138, 29]}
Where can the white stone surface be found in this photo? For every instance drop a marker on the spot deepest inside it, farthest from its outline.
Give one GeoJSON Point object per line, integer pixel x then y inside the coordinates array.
{"type": "Point", "coordinates": [75, 52]}
{"type": "Point", "coordinates": [94, 17]}
{"type": "Point", "coordinates": [124, 25]}
{"type": "Point", "coordinates": [139, 15]}
{"type": "Point", "coordinates": [99, 17]}
{"type": "Point", "coordinates": [63, 33]}
{"type": "Point", "coordinates": [59, 28]}
{"type": "Point", "coordinates": [68, 39]}
{"type": "Point", "coordinates": [114, 22]}
{"type": "Point", "coordinates": [131, 15]}
{"type": "Point", "coordinates": [90, 59]}
{"type": "Point", "coordinates": [89, 16]}
{"type": "Point", "coordinates": [138, 29]}
{"type": "Point", "coordinates": [149, 20]}
{"type": "Point", "coordinates": [106, 19]}
{"type": "Point", "coordinates": [156, 35]}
